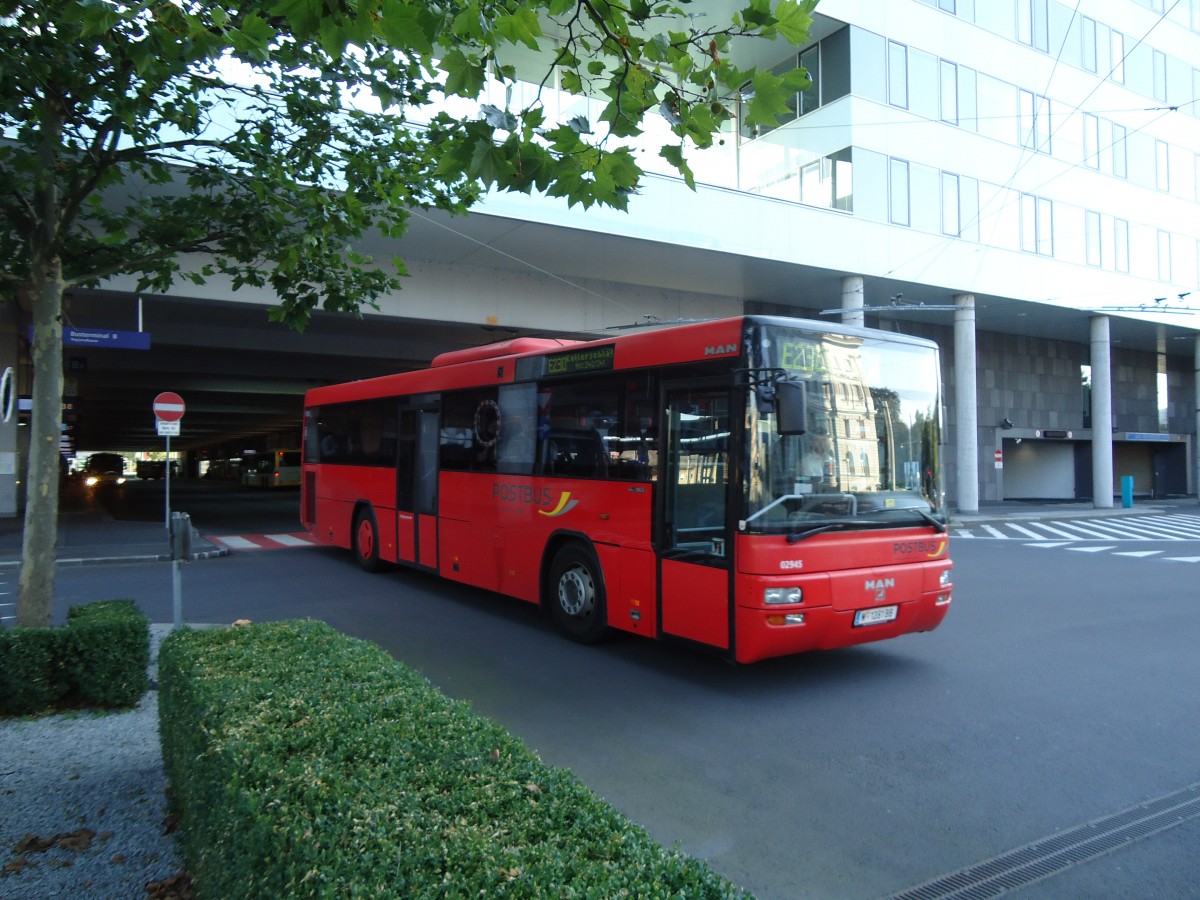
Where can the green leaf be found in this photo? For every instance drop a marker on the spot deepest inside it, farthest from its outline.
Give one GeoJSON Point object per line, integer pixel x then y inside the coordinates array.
{"type": "Point", "coordinates": [673, 154]}
{"type": "Point", "coordinates": [520, 27]}
{"type": "Point", "coordinates": [770, 100]}
{"type": "Point", "coordinates": [464, 77]}
{"type": "Point", "coordinates": [794, 19]}
{"type": "Point", "coordinates": [404, 27]}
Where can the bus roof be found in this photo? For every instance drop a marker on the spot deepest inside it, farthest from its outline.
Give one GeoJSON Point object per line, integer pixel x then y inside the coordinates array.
{"type": "Point", "coordinates": [670, 345]}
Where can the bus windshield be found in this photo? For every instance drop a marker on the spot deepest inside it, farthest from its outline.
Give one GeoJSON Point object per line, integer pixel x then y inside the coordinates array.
{"type": "Point", "coordinates": [870, 454]}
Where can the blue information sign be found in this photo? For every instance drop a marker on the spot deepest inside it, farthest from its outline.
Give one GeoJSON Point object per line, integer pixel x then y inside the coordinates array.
{"type": "Point", "coordinates": [106, 337]}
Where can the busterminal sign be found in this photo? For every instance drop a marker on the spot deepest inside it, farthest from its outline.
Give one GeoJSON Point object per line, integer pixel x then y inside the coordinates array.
{"type": "Point", "coordinates": [106, 337]}
{"type": "Point", "coordinates": [103, 337]}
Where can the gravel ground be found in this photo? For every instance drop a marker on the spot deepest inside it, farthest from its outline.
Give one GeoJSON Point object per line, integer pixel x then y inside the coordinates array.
{"type": "Point", "coordinates": [82, 806]}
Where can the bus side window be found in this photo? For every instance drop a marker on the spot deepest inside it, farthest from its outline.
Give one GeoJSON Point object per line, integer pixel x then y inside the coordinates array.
{"type": "Point", "coordinates": [471, 426]}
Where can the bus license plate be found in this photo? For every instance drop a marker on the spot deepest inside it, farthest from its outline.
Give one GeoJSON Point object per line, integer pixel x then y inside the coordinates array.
{"type": "Point", "coordinates": [875, 616]}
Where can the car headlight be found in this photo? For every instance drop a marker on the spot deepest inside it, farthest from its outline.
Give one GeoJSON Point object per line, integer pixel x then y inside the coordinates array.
{"type": "Point", "coordinates": [777, 595]}
{"type": "Point", "coordinates": [92, 481]}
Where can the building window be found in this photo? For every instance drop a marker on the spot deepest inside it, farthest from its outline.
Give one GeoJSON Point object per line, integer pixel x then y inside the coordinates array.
{"type": "Point", "coordinates": [1032, 24]}
{"type": "Point", "coordinates": [951, 206]}
{"type": "Point", "coordinates": [1160, 76]}
{"type": "Point", "coordinates": [897, 75]}
{"type": "Point", "coordinates": [1087, 38]}
{"type": "Point", "coordinates": [1092, 236]}
{"type": "Point", "coordinates": [949, 88]}
{"type": "Point", "coordinates": [1120, 165]}
{"type": "Point", "coordinates": [948, 6]}
{"type": "Point", "coordinates": [1091, 140]}
{"type": "Point", "coordinates": [810, 97]}
{"type": "Point", "coordinates": [1117, 44]}
{"type": "Point", "coordinates": [1195, 17]}
{"type": "Point", "coordinates": [1037, 225]}
{"type": "Point", "coordinates": [1162, 166]}
{"type": "Point", "coordinates": [1035, 122]}
{"type": "Point", "coordinates": [898, 211]}
{"type": "Point", "coordinates": [1164, 256]}
{"type": "Point", "coordinates": [829, 182]}
{"type": "Point", "coordinates": [1121, 245]}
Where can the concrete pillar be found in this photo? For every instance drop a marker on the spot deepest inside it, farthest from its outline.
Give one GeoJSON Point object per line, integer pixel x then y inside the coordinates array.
{"type": "Point", "coordinates": [966, 406]}
{"type": "Point", "coordinates": [10, 469]}
{"type": "Point", "coordinates": [853, 301]}
{"type": "Point", "coordinates": [1102, 417]}
{"type": "Point", "coordinates": [1196, 394]}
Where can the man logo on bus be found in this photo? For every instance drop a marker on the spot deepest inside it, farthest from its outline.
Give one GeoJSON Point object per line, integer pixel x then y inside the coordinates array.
{"type": "Point", "coordinates": [720, 349]}
{"type": "Point", "coordinates": [565, 505]}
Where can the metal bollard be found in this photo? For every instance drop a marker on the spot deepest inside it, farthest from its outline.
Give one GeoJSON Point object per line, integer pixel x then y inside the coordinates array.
{"type": "Point", "coordinates": [181, 551]}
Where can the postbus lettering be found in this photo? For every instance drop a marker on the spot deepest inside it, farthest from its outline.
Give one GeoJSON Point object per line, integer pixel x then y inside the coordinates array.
{"type": "Point", "coordinates": [521, 493]}
{"type": "Point", "coordinates": [922, 548]}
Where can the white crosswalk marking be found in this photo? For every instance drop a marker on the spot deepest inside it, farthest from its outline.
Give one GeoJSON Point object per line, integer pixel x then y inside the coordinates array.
{"type": "Point", "coordinates": [233, 542]}
{"type": "Point", "coordinates": [1095, 534]}
{"type": "Point", "coordinates": [1167, 527]}
{"type": "Point", "coordinates": [289, 540]}
{"type": "Point", "coordinates": [1025, 531]}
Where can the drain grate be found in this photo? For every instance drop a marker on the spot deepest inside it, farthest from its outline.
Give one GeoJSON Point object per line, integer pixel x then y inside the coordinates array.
{"type": "Point", "coordinates": [1049, 856]}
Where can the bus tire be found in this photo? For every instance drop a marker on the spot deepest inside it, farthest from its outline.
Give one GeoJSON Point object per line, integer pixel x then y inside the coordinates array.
{"type": "Point", "coordinates": [365, 540]}
{"type": "Point", "coordinates": [576, 594]}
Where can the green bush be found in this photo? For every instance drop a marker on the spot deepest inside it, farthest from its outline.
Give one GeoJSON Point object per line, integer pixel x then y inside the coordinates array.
{"type": "Point", "coordinates": [107, 653]}
{"type": "Point", "coordinates": [306, 763]}
{"type": "Point", "coordinates": [29, 680]}
{"type": "Point", "coordinates": [99, 659]}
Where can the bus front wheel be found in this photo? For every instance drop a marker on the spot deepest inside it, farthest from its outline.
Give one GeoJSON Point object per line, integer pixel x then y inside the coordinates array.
{"type": "Point", "coordinates": [366, 540]}
{"type": "Point", "coordinates": [577, 595]}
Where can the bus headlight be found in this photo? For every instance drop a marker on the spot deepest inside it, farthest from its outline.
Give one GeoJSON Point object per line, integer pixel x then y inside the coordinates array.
{"type": "Point", "coordinates": [777, 595]}
{"type": "Point", "coordinates": [92, 481]}
{"type": "Point", "coordinates": [944, 578]}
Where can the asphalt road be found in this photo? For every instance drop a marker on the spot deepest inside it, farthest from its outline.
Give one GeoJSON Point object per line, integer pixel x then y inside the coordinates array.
{"type": "Point", "coordinates": [1061, 689]}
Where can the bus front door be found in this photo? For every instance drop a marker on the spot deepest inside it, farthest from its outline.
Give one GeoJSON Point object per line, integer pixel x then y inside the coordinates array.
{"type": "Point", "coordinates": [694, 584]}
{"type": "Point", "coordinates": [416, 488]}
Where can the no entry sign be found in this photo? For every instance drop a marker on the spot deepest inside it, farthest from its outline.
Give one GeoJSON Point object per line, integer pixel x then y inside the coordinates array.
{"type": "Point", "coordinates": [168, 407]}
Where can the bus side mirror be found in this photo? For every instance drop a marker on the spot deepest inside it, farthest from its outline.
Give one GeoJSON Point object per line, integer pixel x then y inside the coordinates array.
{"type": "Point", "coordinates": [791, 407]}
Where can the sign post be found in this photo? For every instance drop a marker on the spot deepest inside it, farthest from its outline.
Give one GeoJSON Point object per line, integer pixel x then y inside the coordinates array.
{"type": "Point", "coordinates": [168, 411]}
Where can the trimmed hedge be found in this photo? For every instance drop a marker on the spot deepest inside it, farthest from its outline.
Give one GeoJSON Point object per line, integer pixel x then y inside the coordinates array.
{"type": "Point", "coordinates": [99, 659]}
{"type": "Point", "coordinates": [305, 763]}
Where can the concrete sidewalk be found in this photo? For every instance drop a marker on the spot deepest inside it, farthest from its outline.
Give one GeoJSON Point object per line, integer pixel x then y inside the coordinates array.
{"type": "Point", "coordinates": [87, 534]}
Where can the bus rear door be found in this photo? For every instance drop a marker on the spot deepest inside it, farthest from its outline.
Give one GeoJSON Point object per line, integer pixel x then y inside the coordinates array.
{"type": "Point", "coordinates": [695, 544]}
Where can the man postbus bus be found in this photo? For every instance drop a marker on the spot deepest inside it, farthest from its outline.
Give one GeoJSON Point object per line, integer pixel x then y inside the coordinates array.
{"type": "Point", "coordinates": [758, 485]}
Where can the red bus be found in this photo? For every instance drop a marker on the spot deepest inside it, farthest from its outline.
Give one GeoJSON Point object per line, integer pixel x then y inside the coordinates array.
{"type": "Point", "coordinates": [759, 485]}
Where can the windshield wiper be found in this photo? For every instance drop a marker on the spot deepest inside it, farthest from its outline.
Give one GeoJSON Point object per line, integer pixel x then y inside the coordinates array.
{"type": "Point", "coordinates": [930, 519]}
{"type": "Point", "coordinates": [800, 534]}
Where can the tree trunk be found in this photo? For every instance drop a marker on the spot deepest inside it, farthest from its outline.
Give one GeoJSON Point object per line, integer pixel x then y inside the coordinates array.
{"type": "Point", "coordinates": [39, 550]}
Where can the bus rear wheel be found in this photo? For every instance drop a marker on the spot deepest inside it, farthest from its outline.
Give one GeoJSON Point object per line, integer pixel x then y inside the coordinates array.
{"type": "Point", "coordinates": [576, 595]}
{"type": "Point", "coordinates": [366, 540]}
